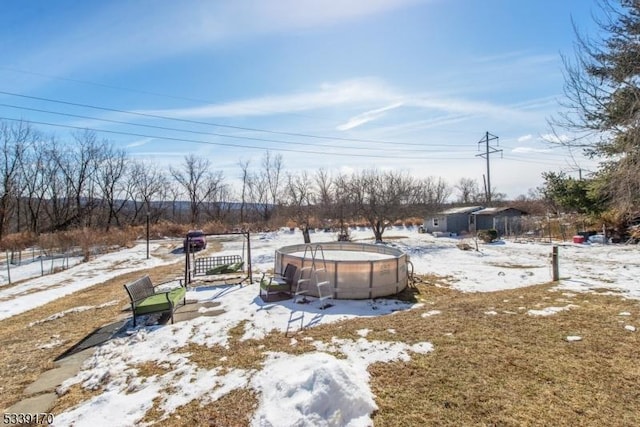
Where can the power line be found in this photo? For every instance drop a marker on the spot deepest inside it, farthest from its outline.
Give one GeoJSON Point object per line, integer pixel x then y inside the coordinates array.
{"type": "Point", "coordinates": [127, 89]}
{"type": "Point", "coordinates": [155, 116]}
{"type": "Point", "coordinates": [195, 141]}
{"type": "Point", "coordinates": [194, 131]}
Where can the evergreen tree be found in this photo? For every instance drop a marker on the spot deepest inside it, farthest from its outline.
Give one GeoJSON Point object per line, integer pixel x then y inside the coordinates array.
{"type": "Point", "coordinates": [603, 101]}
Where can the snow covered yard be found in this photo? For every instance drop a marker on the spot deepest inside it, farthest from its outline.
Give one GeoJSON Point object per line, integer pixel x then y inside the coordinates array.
{"type": "Point", "coordinates": [487, 342]}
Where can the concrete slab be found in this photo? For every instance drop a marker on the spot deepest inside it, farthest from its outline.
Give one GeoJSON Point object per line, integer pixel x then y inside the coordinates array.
{"type": "Point", "coordinates": [49, 380]}
{"type": "Point", "coordinates": [97, 337]}
{"type": "Point", "coordinates": [192, 314]}
{"type": "Point", "coordinates": [33, 405]}
{"type": "Point", "coordinates": [212, 313]}
{"type": "Point", "coordinates": [76, 359]}
{"type": "Point", "coordinates": [210, 304]}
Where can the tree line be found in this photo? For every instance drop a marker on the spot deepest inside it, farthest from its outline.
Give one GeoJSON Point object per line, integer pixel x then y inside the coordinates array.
{"type": "Point", "coordinates": [48, 184]}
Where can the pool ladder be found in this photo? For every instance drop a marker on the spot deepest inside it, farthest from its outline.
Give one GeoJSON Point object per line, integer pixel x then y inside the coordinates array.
{"type": "Point", "coordinates": [313, 272]}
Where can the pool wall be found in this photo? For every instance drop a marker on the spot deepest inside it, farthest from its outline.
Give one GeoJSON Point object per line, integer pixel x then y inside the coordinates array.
{"type": "Point", "coordinates": [350, 279]}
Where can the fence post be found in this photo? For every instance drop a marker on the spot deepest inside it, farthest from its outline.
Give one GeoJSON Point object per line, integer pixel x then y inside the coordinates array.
{"type": "Point", "coordinates": [8, 268]}
{"type": "Point", "coordinates": [555, 264]}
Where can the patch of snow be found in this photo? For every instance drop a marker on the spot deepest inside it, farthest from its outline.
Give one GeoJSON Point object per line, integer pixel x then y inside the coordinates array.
{"type": "Point", "coordinates": [573, 338]}
{"type": "Point", "coordinates": [312, 389]}
{"type": "Point", "coordinates": [363, 332]}
{"type": "Point", "coordinates": [78, 309]}
{"type": "Point", "coordinates": [624, 313]}
{"type": "Point", "coordinates": [491, 313]}
{"type": "Point", "coordinates": [550, 310]}
{"type": "Point", "coordinates": [630, 328]}
{"type": "Point", "coordinates": [55, 342]}
{"type": "Point", "coordinates": [431, 313]}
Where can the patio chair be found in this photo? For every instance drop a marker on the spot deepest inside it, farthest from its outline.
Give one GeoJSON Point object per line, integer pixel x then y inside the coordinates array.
{"type": "Point", "coordinates": [278, 284]}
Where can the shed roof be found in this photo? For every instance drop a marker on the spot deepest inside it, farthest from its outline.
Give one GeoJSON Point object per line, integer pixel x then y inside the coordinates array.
{"type": "Point", "coordinates": [497, 211]}
{"type": "Point", "coordinates": [461, 210]}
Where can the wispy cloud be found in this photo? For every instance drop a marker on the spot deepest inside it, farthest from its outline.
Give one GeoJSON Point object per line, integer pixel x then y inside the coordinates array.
{"type": "Point", "coordinates": [367, 116]}
{"type": "Point", "coordinates": [364, 91]}
{"type": "Point", "coordinates": [140, 142]}
{"type": "Point", "coordinates": [529, 150]}
{"type": "Point", "coordinates": [525, 138]}
{"type": "Point", "coordinates": [555, 138]}
{"type": "Point", "coordinates": [359, 93]}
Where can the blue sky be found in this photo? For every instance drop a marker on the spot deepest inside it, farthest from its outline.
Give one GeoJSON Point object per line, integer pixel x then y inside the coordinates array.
{"type": "Point", "coordinates": [402, 84]}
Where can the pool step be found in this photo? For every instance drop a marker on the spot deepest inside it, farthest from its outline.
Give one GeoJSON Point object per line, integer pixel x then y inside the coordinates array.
{"type": "Point", "coordinates": [303, 282]}
{"type": "Point", "coordinates": [324, 296]}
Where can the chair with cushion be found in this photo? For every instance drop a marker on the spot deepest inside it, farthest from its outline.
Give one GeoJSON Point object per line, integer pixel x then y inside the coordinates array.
{"type": "Point", "coordinates": [278, 284]}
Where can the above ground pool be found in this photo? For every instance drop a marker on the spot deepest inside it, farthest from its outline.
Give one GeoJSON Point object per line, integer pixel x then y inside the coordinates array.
{"type": "Point", "coordinates": [354, 270]}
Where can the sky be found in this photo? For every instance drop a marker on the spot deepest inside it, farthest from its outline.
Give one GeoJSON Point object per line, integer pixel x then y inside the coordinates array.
{"type": "Point", "coordinates": [343, 85]}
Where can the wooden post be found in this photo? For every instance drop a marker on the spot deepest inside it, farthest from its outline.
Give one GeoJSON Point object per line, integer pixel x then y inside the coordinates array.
{"type": "Point", "coordinates": [248, 236]}
{"type": "Point", "coordinates": [8, 268]}
{"type": "Point", "coordinates": [555, 264]}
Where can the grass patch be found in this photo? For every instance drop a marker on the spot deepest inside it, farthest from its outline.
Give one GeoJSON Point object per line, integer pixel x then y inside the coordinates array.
{"type": "Point", "coordinates": [504, 369]}
{"type": "Point", "coordinates": [21, 358]}
{"type": "Point", "coordinates": [516, 266]}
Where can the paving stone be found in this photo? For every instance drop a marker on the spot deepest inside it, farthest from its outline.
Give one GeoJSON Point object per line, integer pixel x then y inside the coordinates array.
{"type": "Point", "coordinates": [76, 359]}
{"type": "Point", "coordinates": [49, 380]}
{"type": "Point", "coordinates": [33, 405]}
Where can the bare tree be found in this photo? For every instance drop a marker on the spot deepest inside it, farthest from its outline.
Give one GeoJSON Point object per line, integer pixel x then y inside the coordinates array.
{"type": "Point", "coordinates": [78, 164]}
{"type": "Point", "coordinates": [468, 190]}
{"type": "Point", "coordinates": [245, 177]}
{"type": "Point", "coordinates": [431, 194]}
{"type": "Point", "coordinates": [299, 191]}
{"type": "Point", "coordinates": [32, 168]}
{"type": "Point", "coordinates": [265, 186]}
{"type": "Point", "coordinates": [58, 209]}
{"type": "Point", "coordinates": [382, 198]}
{"type": "Point", "coordinates": [324, 193]}
{"type": "Point", "coordinates": [198, 182]}
{"type": "Point", "coordinates": [218, 195]}
{"type": "Point", "coordinates": [14, 139]}
{"type": "Point", "coordinates": [110, 176]}
{"type": "Point", "coordinates": [272, 168]}
{"type": "Point", "coordinates": [148, 182]}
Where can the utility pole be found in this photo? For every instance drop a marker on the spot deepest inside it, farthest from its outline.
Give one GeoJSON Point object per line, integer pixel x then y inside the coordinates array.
{"type": "Point", "coordinates": [488, 151]}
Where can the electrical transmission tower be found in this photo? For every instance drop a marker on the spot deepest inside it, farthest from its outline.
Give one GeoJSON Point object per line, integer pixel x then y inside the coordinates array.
{"type": "Point", "coordinates": [486, 140]}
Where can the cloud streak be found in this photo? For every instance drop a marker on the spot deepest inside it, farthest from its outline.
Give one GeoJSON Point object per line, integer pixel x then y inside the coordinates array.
{"type": "Point", "coordinates": [367, 117]}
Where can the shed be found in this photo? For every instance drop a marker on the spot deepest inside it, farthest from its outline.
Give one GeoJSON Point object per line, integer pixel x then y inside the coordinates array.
{"type": "Point", "coordinates": [505, 219]}
{"type": "Point", "coordinates": [454, 220]}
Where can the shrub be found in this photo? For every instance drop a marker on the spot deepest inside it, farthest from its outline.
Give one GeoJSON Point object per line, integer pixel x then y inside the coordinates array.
{"type": "Point", "coordinates": [488, 236]}
{"type": "Point", "coordinates": [18, 241]}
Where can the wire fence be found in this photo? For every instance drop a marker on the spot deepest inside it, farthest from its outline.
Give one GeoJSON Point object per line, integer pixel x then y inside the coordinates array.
{"type": "Point", "coordinates": [32, 262]}
{"type": "Point", "coordinates": [538, 228]}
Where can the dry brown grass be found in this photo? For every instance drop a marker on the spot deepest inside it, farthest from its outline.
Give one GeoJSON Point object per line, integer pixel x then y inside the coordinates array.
{"type": "Point", "coordinates": [504, 369]}
{"type": "Point", "coordinates": [21, 361]}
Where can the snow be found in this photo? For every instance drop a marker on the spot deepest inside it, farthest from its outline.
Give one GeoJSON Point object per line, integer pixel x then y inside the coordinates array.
{"type": "Point", "coordinates": [550, 310]}
{"type": "Point", "coordinates": [36, 292]}
{"type": "Point", "coordinates": [329, 386]}
{"type": "Point", "coordinates": [315, 389]}
{"type": "Point", "coordinates": [34, 266]}
{"type": "Point", "coordinates": [337, 255]}
{"type": "Point", "coordinates": [431, 313]}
